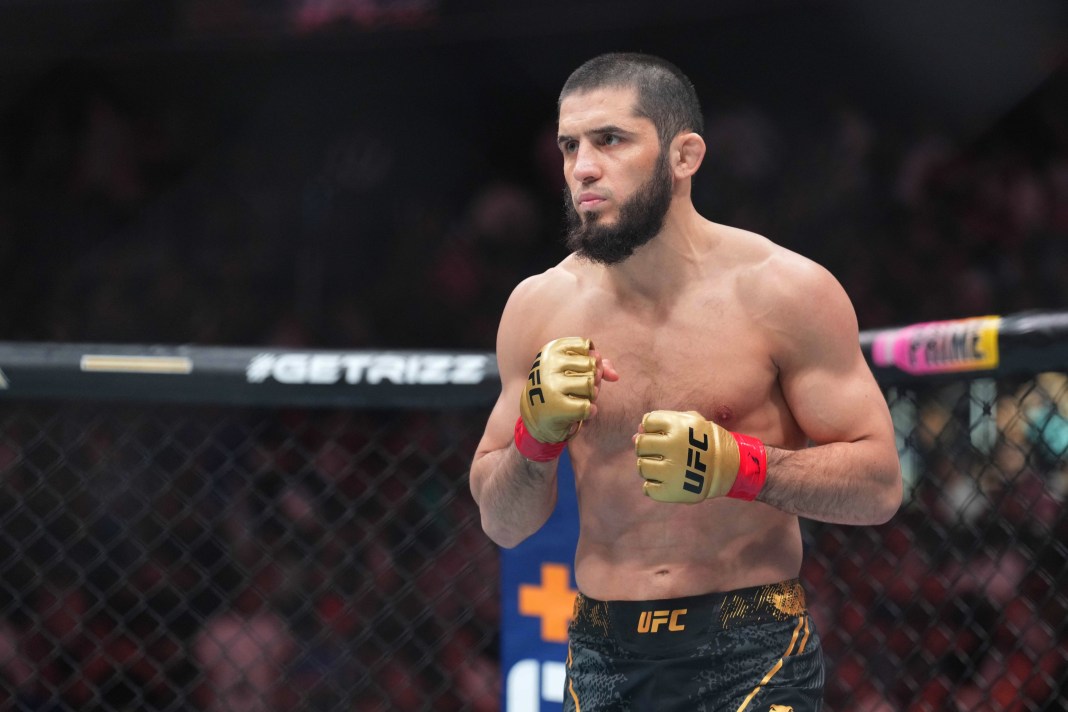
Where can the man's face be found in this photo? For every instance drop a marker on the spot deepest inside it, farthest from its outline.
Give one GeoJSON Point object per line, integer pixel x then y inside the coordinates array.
{"type": "Point", "coordinates": [619, 186]}
{"type": "Point", "coordinates": [641, 216]}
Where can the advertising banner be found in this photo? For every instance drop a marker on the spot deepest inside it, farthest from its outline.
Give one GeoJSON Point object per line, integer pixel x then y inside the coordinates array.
{"type": "Point", "coordinates": [538, 593]}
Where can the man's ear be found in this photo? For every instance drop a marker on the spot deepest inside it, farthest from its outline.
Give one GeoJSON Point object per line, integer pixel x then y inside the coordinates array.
{"type": "Point", "coordinates": [688, 150]}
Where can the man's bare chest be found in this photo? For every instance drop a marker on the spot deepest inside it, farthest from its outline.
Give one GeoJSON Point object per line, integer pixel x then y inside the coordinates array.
{"type": "Point", "coordinates": [717, 365]}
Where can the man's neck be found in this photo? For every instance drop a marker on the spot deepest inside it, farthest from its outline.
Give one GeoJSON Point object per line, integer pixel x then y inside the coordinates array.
{"type": "Point", "coordinates": [678, 255]}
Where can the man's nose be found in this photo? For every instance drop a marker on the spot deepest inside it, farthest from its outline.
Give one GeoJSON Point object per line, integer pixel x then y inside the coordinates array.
{"type": "Point", "coordinates": [586, 166]}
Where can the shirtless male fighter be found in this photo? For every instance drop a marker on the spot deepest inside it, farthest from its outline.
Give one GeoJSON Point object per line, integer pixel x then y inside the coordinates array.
{"type": "Point", "coordinates": [710, 388]}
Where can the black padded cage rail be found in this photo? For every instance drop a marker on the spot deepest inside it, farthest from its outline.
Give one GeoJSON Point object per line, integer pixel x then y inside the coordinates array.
{"type": "Point", "coordinates": [191, 528]}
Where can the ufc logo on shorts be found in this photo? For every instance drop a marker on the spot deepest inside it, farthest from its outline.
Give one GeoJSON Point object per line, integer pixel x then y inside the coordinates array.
{"type": "Point", "coordinates": [650, 621]}
{"type": "Point", "coordinates": [695, 469]}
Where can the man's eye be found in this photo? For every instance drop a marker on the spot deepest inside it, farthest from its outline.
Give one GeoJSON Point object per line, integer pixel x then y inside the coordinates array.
{"type": "Point", "coordinates": [610, 139]}
{"type": "Point", "coordinates": [570, 146]}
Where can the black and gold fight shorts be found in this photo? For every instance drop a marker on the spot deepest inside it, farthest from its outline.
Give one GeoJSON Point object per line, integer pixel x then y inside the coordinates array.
{"type": "Point", "coordinates": [749, 650]}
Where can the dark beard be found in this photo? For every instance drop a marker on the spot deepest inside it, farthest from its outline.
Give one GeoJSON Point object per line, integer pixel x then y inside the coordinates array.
{"type": "Point", "coordinates": [640, 219]}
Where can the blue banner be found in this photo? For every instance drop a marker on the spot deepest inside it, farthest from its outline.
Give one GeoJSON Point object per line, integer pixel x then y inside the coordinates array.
{"type": "Point", "coordinates": [537, 597]}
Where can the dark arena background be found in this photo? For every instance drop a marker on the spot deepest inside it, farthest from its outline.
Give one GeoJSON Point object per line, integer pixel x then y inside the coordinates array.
{"type": "Point", "coordinates": [253, 257]}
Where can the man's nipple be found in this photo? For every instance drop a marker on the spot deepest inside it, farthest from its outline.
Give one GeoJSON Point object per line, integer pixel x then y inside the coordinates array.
{"type": "Point", "coordinates": [723, 416]}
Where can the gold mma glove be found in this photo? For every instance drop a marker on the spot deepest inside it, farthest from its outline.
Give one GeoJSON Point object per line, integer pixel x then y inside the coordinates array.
{"type": "Point", "coordinates": [558, 393]}
{"type": "Point", "coordinates": [685, 458]}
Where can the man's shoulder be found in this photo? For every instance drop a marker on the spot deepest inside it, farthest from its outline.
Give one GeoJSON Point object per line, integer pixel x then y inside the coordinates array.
{"type": "Point", "coordinates": [780, 283]}
{"type": "Point", "coordinates": [540, 295]}
{"type": "Point", "coordinates": [561, 279]}
{"type": "Point", "coordinates": [749, 246]}
{"type": "Point", "coordinates": [772, 260]}
{"type": "Point", "coordinates": [538, 307]}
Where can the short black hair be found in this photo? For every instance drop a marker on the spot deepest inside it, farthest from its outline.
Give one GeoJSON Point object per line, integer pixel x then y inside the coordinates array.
{"type": "Point", "coordinates": [666, 96]}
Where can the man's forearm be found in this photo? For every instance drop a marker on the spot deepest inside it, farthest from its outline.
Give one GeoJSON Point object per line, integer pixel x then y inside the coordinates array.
{"type": "Point", "coordinates": [843, 483]}
{"type": "Point", "coordinates": [515, 496]}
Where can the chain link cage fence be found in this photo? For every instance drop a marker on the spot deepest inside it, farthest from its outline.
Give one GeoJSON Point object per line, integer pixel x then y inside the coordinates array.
{"type": "Point", "coordinates": [248, 549]}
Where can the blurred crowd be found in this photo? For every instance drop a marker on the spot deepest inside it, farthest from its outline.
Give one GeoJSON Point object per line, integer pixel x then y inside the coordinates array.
{"type": "Point", "coordinates": [219, 561]}
{"type": "Point", "coordinates": [165, 558]}
{"type": "Point", "coordinates": [958, 603]}
{"type": "Point", "coordinates": [342, 218]}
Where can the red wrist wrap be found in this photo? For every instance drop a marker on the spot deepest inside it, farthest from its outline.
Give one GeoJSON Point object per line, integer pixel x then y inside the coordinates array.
{"type": "Point", "coordinates": [534, 449]}
{"type": "Point", "coordinates": [752, 468]}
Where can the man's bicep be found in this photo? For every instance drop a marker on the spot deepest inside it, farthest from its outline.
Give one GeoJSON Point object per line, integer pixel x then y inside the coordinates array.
{"type": "Point", "coordinates": [827, 383]}
{"type": "Point", "coordinates": [837, 405]}
{"type": "Point", "coordinates": [514, 358]}
{"type": "Point", "coordinates": [500, 426]}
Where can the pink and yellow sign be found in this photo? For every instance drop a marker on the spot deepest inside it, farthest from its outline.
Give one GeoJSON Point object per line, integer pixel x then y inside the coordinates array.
{"type": "Point", "coordinates": [940, 346]}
